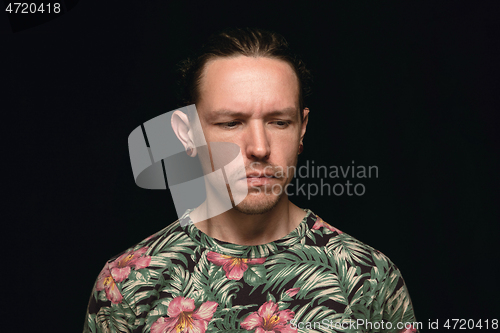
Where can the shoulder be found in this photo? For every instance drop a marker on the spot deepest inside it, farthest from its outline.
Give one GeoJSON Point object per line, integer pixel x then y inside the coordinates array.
{"type": "Point", "coordinates": [375, 287]}
{"type": "Point", "coordinates": [349, 249]}
{"type": "Point", "coordinates": [149, 254]}
{"type": "Point", "coordinates": [355, 260]}
{"type": "Point", "coordinates": [148, 244]}
{"type": "Point", "coordinates": [129, 277]}
{"type": "Point", "coordinates": [139, 267]}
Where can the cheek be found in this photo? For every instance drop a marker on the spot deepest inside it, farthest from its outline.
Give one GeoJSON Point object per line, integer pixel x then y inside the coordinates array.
{"type": "Point", "coordinates": [288, 143]}
{"type": "Point", "coordinates": [285, 155]}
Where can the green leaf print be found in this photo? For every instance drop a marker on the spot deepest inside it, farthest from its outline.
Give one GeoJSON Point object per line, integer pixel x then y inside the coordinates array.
{"type": "Point", "coordinates": [321, 315]}
{"type": "Point", "coordinates": [297, 277]}
{"type": "Point", "coordinates": [111, 319]}
{"type": "Point", "coordinates": [229, 318]}
{"type": "Point", "coordinates": [90, 325]}
{"type": "Point", "coordinates": [345, 248]}
{"type": "Point", "coordinates": [255, 275]}
{"type": "Point", "coordinates": [174, 246]}
{"type": "Point", "coordinates": [270, 297]}
{"type": "Point", "coordinates": [307, 263]}
{"type": "Point", "coordinates": [180, 283]}
{"type": "Point", "coordinates": [212, 280]}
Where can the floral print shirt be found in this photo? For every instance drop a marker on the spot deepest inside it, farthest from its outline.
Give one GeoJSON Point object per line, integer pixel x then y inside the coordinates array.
{"type": "Point", "coordinates": [315, 279]}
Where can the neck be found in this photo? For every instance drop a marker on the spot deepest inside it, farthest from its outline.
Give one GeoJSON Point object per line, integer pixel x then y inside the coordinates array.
{"type": "Point", "coordinates": [236, 227]}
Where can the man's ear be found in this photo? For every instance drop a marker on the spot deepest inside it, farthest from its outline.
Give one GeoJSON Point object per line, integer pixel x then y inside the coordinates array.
{"type": "Point", "coordinates": [182, 128]}
{"type": "Point", "coordinates": [304, 124]}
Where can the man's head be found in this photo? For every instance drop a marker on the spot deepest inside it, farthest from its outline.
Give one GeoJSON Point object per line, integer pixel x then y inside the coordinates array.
{"type": "Point", "coordinates": [232, 43]}
{"type": "Point", "coordinates": [248, 89]}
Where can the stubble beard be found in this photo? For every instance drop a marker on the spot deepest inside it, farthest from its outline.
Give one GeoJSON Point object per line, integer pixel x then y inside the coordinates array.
{"type": "Point", "coordinates": [259, 200]}
{"type": "Point", "coordinates": [258, 204]}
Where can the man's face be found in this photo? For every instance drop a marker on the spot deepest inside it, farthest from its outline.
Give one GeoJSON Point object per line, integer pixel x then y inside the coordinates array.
{"type": "Point", "coordinates": [253, 102]}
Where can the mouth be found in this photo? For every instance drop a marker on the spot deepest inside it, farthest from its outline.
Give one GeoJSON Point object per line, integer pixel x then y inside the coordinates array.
{"type": "Point", "coordinates": [257, 174]}
{"type": "Point", "coordinates": [260, 181]}
{"type": "Point", "coordinates": [259, 177]}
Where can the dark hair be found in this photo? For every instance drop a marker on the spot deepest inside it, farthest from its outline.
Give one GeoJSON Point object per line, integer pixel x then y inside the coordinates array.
{"type": "Point", "coordinates": [248, 42]}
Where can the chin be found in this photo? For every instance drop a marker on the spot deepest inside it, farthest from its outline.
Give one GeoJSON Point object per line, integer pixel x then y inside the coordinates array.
{"type": "Point", "coordinates": [258, 204]}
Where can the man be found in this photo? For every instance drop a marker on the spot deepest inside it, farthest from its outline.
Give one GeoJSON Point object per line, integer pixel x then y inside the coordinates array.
{"type": "Point", "coordinates": [265, 265]}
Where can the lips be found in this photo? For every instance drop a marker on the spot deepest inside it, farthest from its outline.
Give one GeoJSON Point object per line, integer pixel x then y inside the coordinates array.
{"type": "Point", "coordinates": [260, 175]}
{"type": "Point", "coordinates": [260, 181]}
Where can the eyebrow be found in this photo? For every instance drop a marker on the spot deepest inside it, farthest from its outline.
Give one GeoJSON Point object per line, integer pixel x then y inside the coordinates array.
{"type": "Point", "coordinates": [291, 111]}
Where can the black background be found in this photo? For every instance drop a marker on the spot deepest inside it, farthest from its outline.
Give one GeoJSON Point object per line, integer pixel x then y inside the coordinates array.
{"type": "Point", "coordinates": [409, 88]}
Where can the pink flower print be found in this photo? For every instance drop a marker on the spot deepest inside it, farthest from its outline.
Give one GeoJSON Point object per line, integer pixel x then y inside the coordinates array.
{"type": "Point", "coordinates": [409, 329]}
{"type": "Point", "coordinates": [292, 292]}
{"type": "Point", "coordinates": [182, 317]}
{"type": "Point", "coordinates": [269, 320]}
{"type": "Point", "coordinates": [105, 282]}
{"type": "Point", "coordinates": [120, 268]}
{"type": "Point", "coordinates": [233, 266]}
{"type": "Point", "coordinates": [320, 223]}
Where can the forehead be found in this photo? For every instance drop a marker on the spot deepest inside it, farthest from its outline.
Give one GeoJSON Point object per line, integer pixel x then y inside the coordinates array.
{"type": "Point", "coordinates": [247, 84]}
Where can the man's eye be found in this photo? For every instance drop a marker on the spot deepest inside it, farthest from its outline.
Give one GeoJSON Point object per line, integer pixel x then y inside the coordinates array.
{"type": "Point", "coordinates": [231, 124]}
{"type": "Point", "coordinates": [282, 123]}
{"type": "Point", "coordinates": [234, 124]}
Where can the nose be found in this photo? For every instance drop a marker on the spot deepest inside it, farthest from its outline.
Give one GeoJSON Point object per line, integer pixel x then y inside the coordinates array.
{"type": "Point", "coordinates": [257, 143]}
